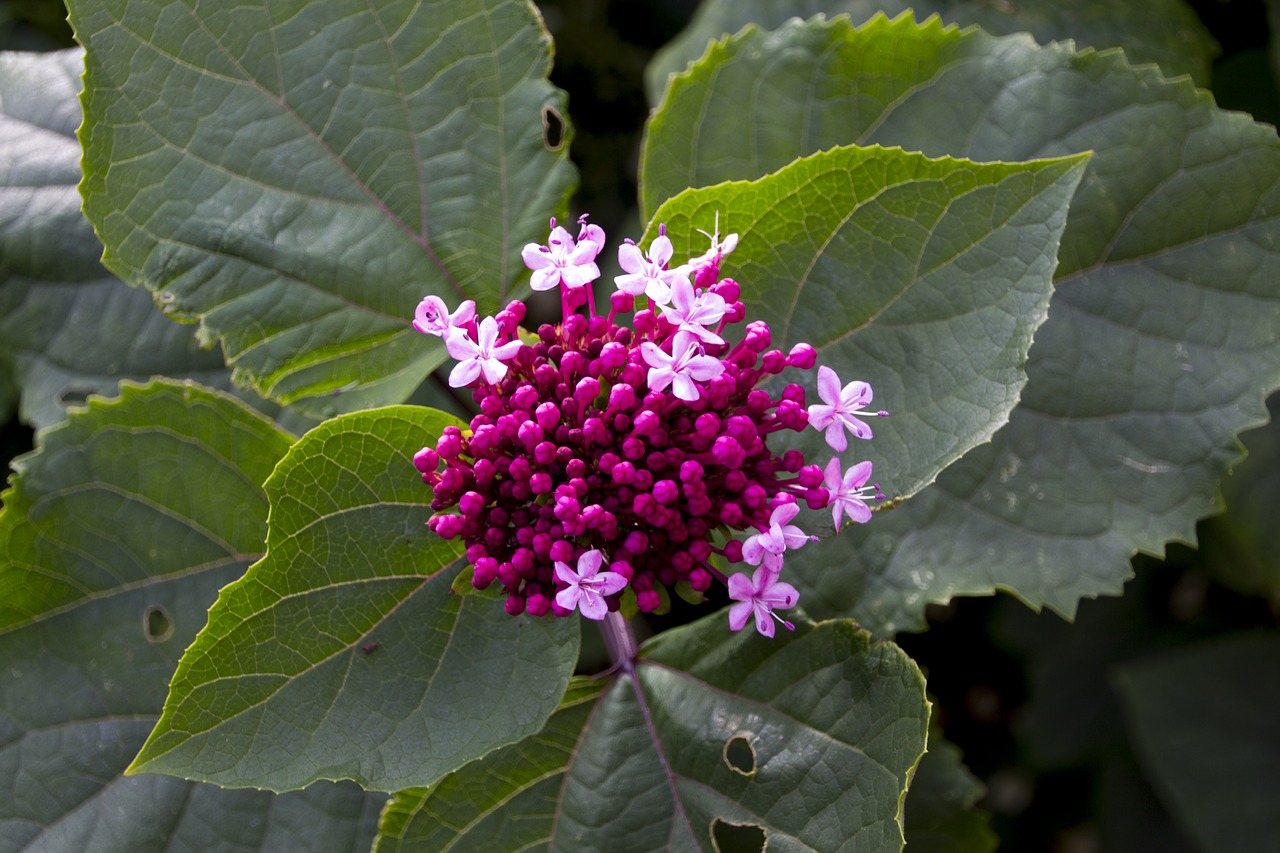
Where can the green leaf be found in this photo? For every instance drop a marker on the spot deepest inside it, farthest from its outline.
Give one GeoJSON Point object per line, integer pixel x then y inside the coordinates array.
{"type": "Point", "coordinates": [941, 270]}
{"type": "Point", "coordinates": [109, 558]}
{"type": "Point", "coordinates": [1161, 340]}
{"type": "Point", "coordinates": [940, 814]}
{"type": "Point", "coordinates": [1166, 32]}
{"type": "Point", "coordinates": [1203, 723]}
{"type": "Point", "coordinates": [298, 176]}
{"type": "Point", "coordinates": [342, 654]}
{"type": "Point", "coordinates": [810, 737]}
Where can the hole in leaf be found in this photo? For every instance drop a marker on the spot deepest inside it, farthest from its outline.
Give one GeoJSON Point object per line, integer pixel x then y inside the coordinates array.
{"type": "Point", "coordinates": [553, 128]}
{"type": "Point", "coordinates": [737, 838]}
{"type": "Point", "coordinates": [740, 756]}
{"type": "Point", "coordinates": [157, 624]}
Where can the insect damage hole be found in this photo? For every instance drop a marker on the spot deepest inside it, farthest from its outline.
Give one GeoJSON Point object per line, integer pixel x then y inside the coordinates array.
{"type": "Point", "coordinates": [553, 128]}
{"type": "Point", "coordinates": [740, 756]}
{"type": "Point", "coordinates": [157, 624]}
{"type": "Point", "coordinates": [737, 838]}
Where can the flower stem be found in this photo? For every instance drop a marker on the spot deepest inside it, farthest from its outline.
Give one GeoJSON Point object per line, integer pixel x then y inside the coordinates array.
{"type": "Point", "coordinates": [619, 640]}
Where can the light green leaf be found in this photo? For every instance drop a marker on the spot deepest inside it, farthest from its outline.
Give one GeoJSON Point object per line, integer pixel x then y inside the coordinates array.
{"type": "Point", "coordinates": [109, 558]}
{"type": "Point", "coordinates": [926, 278]}
{"type": "Point", "coordinates": [809, 737]}
{"type": "Point", "coordinates": [1166, 32]}
{"type": "Point", "coordinates": [1161, 340]}
{"type": "Point", "coordinates": [342, 654]}
{"type": "Point", "coordinates": [1203, 724]}
{"type": "Point", "coordinates": [298, 176]}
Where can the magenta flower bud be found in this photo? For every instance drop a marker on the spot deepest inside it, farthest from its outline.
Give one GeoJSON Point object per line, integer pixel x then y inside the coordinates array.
{"type": "Point", "coordinates": [645, 423]}
{"type": "Point", "coordinates": [596, 432]}
{"type": "Point", "coordinates": [606, 462]}
{"type": "Point", "coordinates": [508, 426]}
{"type": "Point", "coordinates": [514, 605]}
{"type": "Point", "coordinates": [735, 481]}
{"type": "Point", "coordinates": [495, 538]}
{"type": "Point", "coordinates": [525, 398]}
{"type": "Point", "coordinates": [802, 356]}
{"type": "Point", "coordinates": [471, 503]}
{"type": "Point", "coordinates": [492, 406]}
{"type": "Point", "coordinates": [445, 526]}
{"type": "Point", "coordinates": [794, 393]}
{"type": "Point", "coordinates": [537, 605]}
{"type": "Point", "coordinates": [576, 468]}
{"type": "Point", "coordinates": [633, 448]}
{"type": "Point", "coordinates": [548, 415]}
{"type": "Point", "coordinates": [728, 452]}
{"type": "Point", "coordinates": [540, 483]}
{"type": "Point", "coordinates": [644, 480]}
{"type": "Point", "coordinates": [810, 477]}
{"type": "Point", "coordinates": [758, 401]}
{"type": "Point", "coordinates": [727, 289]}
{"type": "Point", "coordinates": [792, 415]}
{"type": "Point", "coordinates": [544, 453]}
{"type": "Point", "coordinates": [733, 551]}
{"type": "Point", "coordinates": [699, 548]}
{"type": "Point", "coordinates": [648, 601]}
{"type": "Point", "coordinates": [736, 313]}
{"type": "Point", "coordinates": [613, 356]}
{"type": "Point", "coordinates": [529, 434]}
{"type": "Point", "coordinates": [624, 473]}
{"type": "Point", "coordinates": [665, 491]}
{"type": "Point", "coordinates": [731, 514]}
{"type": "Point", "coordinates": [476, 552]}
{"type": "Point", "coordinates": [773, 362]}
{"type": "Point", "coordinates": [691, 472]}
{"type": "Point", "coordinates": [426, 460]}
{"type": "Point", "coordinates": [818, 498]}
{"type": "Point", "coordinates": [520, 470]}
{"type": "Point", "coordinates": [700, 580]}
{"type": "Point", "coordinates": [622, 396]}
{"type": "Point", "coordinates": [452, 480]}
{"type": "Point", "coordinates": [622, 303]}
{"type": "Point", "coordinates": [636, 542]}
{"type": "Point", "coordinates": [754, 496]}
{"type": "Point", "coordinates": [793, 461]}
{"type": "Point", "coordinates": [758, 336]}
{"type": "Point", "coordinates": [575, 325]}
{"type": "Point", "coordinates": [561, 551]}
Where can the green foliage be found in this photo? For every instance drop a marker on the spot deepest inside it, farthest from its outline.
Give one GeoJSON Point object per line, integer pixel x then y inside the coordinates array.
{"type": "Point", "coordinates": [343, 653]}
{"type": "Point", "coordinates": [942, 269]}
{"type": "Point", "coordinates": [297, 177]}
{"type": "Point", "coordinates": [1137, 388]}
{"type": "Point", "coordinates": [110, 556]}
{"type": "Point", "coordinates": [811, 736]}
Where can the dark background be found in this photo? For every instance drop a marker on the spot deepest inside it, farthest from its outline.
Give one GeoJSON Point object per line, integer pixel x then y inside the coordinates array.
{"type": "Point", "coordinates": [1026, 696]}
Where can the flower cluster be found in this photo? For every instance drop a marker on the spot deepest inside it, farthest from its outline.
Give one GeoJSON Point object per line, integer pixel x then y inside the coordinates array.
{"type": "Point", "coordinates": [612, 463]}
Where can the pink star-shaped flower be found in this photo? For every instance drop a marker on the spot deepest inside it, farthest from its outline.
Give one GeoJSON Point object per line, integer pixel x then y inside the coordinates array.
{"type": "Point", "coordinates": [477, 357]}
{"type": "Point", "coordinates": [692, 312]}
{"type": "Point", "coordinates": [841, 404]}
{"type": "Point", "coordinates": [588, 585]}
{"type": "Point", "coordinates": [848, 491]}
{"type": "Point", "coordinates": [433, 318]}
{"type": "Point", "coordinates": [683, 369]}
{"type": "Point", "coordinates": [760, 595]}
{"type": "Point", "coordinates": [767, 547]}
{"type": "Point", "coordinates": [648, 275]}
{"type": "Point", "coordinates": [561, 260]}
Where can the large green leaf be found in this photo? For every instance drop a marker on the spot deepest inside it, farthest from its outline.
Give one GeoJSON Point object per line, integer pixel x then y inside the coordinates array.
{"type": "Point", "coordinates": [1203, 723]}
{"type": "Point", "coordinates": [1166, 32]}
{"type": "Point", "coordinates": [298, 176]}
{"type": "Point", "coordinates": [926, 278]}
{"type": "Point", "coordinates": [68, 328]}
{"type": "Point", "coordinates": [1161, 339]}
{"type": "Point", "coordinates": [342, 654]}
{"type": "Point", "coordinates": [940, 817]}
{"type": "Point", "coordinates": [110, 553]}
{"type": "Point", "coordinates": [810, 738]}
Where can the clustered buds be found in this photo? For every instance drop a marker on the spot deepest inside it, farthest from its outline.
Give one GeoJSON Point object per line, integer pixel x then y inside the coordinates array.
{"type": "Point", "coordinates": [613, 462]}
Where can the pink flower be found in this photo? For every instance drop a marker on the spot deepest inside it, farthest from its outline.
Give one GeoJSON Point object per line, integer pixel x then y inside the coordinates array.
{"type": "Point", "coordinates": [588, 585]}
{"type": "Point", "coordinates": [693, 312]}
{"type": "Point", "coordinates": [759, 596]}
{"type": "Point", "coordinates": [767, 547]}
{"type": "Point", "coordinates": [682, 369]}
{"type": "Point", "coordinates": [841, 405]}
{"type": "Point", "coordinates": [433, 317]}
{"type": "Point", "coordinates": [561, 260]}
{"type": "Point", "coordinates": [648, 275]}
{"type": "Point", "coordinates": [475, 358]}
{"type": "Point", "coordinates": [848, 492]}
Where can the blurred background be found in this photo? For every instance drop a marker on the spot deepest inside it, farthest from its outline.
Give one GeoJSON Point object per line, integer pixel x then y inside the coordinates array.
{"type": "Point", "coordinates": [1030, 699]}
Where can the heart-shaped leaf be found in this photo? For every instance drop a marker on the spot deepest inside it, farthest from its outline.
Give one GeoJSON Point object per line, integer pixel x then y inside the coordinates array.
{"type": "Point", "coordinates": [109, 557]}
{"type": "Point", "coordinates": [298, 176]}
{"type": "Point", "coordinates": [1161, 340]}
{"type": "Point", "coordinates": [807, 740]}
{"type": "Point", "coordinates": [1166, 32]}
{"type": "Point", "coordinates": [342, 654]}
{"type": "Point", "coordinates": [926, 278]}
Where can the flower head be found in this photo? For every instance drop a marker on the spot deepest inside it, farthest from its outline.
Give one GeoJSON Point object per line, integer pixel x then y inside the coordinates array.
{"type": "Point", "coordinates": [760, 596]}
{"type": "Point", "coordinates": [848, 491]}
{"type": "Point", "coordinates": [840, 405]}
{"type": "Point", "coordinates": [611, 461]}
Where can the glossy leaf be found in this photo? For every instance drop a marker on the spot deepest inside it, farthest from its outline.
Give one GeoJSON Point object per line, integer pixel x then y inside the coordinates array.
{"type": "Point", "coordinates": [298, 176]}
{"type": "Point", "coordinates": [926, 278]}
{"type": "Point", "coordinates": [108, 560]}
{"type": "Point", "coordinates": [1161, 340]}
{"type": "Point", "coordinates": [1202, 720]}
{"type": "Point", "coordinates": [810, 736]}
{"type": "Point", "coordinates": [342, 654]}
{"type": "Point", "coordinates": [1166, 32]}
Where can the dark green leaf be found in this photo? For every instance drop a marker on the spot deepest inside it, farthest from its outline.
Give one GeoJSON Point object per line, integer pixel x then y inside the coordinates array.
{"type": "Point", "coordinates": [342, 654]}
{"type": "Point", "coordinates": [810, 737]}
{"type": "Point", "coordinates": [940, 804]}
{"type": "Point", "coordinates": [298, 176]}
{"type": "Point", "coordinates": [1161, 339]}
{"type": "Point", "coordinates": [1166, 32]}
{"type": "Point", "coordinates": [926, 278]}
{"type": "Point", "coordinates": [109, 557]}
{"type": "Point", "coordinates": [1203, 723]}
